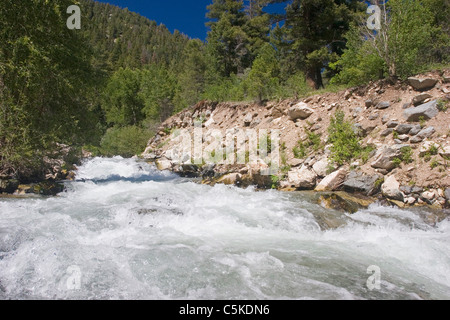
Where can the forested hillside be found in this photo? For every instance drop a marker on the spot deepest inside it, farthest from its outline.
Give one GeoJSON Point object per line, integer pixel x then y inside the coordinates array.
{"type": "Point", "coordinates": [108, 86]}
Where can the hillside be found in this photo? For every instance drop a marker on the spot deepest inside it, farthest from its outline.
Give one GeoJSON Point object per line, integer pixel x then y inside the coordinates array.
{"type": "Point", "coordinates": [403, 131]}
{"type": "Point", "coordinates": [121, 38]}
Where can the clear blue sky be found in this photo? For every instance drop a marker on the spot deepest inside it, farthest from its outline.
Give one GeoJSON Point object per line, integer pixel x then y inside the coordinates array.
{"type": "Point", "coordinates": [186, 16]}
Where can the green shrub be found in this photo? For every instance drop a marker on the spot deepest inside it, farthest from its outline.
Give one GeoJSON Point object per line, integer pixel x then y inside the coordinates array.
{"type": "Point", "coordinates": [125, 141]}
{"type": "Point", "coordinates": [345, 143]}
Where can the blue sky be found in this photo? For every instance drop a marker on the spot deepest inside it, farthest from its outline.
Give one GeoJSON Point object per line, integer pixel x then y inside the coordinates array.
{"type": "Point", "coordinates": [186, 16]}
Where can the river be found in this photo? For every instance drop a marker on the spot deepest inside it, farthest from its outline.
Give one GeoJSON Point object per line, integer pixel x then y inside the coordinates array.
{"type": "Point", "coordinates": [123, 230]}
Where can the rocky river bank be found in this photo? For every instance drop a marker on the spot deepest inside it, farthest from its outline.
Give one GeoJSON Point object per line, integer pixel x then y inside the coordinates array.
{"type": "Point", "coordinates": [404, 127]}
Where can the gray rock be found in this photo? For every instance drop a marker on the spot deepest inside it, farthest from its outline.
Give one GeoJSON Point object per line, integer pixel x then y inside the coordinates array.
{"type": "Point", "coordinates": [404, 128]}
{"type": "Point", "coordinates": [417, 100]}
{"type": "Point", "coordinates": [369, 103]}
{"type": "Point", "coordinates": [415, 130]}
{"type": "Point", "coordinates": [416, 139]}
{"type": "Point", "coordinates": [386, 132]}
{"type": "Point", "coordinates": [406, 189]}
{"type": "Point", "coordinates": [392, 124]}
{"type": "Point", "coordinates": [384, 158]}
{"type": "Point", "coordinates": [426, 111]}
{"type": "Point", "coordinates": [359, 182]}
{"type": "Point", "coordinates": [385, 119]}
{"type": "Point", "coordinates": [406, 105]}
{"type": "Point", "coordinates": [403, 137]}
{"type": "Point", "coordinates": [422, 84]}
{"type": "Point", "coordinates": [426, 132]}
{"type": "Point", "coordinates": [373, 116]}
{"type": "Point", "coordinates": [447, 194]}
{"type": "Point", "coordinates": [300, 111]}
{"type": "Point", "coordinates": [383, 105]}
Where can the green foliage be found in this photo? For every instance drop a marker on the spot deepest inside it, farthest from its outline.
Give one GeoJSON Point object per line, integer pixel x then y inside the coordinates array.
{"type": "Point", "coordinates": [401, 48]}
{"type": "Point", "coordinates": [345, 143]}
{"type": "Point", "coordinates": [125, 141]}
{"type": "Point", "coordinates": [46, 83]}
{"type": "Point", "coordinates": [442, 105]}
{"type": "Point", "coordinates": [121, 100]}
{"type": "Point", "coordinates": [262, 81]}
{"type": "Point", "coordinates": [299, 150]}
{"type": "Point", "coordinates": [405, 157]}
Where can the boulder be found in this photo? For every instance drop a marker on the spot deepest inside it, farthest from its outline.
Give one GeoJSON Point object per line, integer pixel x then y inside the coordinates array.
{"type": "Point", "coordinates": [359, 182]}
{"type": "Point", "coordinates": [302, 178]}
{"type": "Point", "coordinates": [416, 139]}
{"type": "Point", "coordinates": [300, 111]}
{"type": "Point", "coordinates": [404, 128]}
{"type": "Point", "coordinates": [344, 202]}
{"type": "Point", "coordinates": [163, 164]}
{"type": "Point", "coordinates": [383, 105]}
{"type": "Point", "coordinates": [426, 132]}
{"type": "Point", "coordinates": [447, 194]}
{"type": "Point", "coordinates": [321, 167]}
{"type": "Point", "coordinates": [8, 185]}
{"type": "Point", "coordinates": [248, 119]}
{"type": "Point", "coordinates": [384, 158]}
{"type": "Point", "coordinates": [386, 132]}
{"type": "Point", "coordinates": [391, 189]}
{"type": "Point", "coordinates": [332, 181]}
{"type": "Point", "coordinates": [230, 179]}
{"type": "Point", "coordinates": [415, 130]}
{"type": "Point", "coordinates": [426, 111]}
{"type": "Point", "coordinates": [392, 124]}
{"type": "Point", "coordinates": [422, 84]}
{"type": "Point", "coordinates": [417, 100]}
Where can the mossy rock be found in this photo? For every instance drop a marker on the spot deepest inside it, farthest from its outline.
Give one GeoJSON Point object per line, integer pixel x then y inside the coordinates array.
{"type": "Point", "coordinates": [344, 202]}
{"type": "Point", "coordinates": [48, 188]}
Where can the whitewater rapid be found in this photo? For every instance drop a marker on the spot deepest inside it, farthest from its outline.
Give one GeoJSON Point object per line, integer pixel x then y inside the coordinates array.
{"type": "Point", "coordinates": [124, 230]}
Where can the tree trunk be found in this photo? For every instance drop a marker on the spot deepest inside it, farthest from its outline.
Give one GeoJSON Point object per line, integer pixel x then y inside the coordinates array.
{"type": "Point", "coordinates": [314, 78]}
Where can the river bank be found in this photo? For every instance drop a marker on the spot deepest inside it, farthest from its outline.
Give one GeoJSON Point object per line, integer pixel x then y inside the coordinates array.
{"type": "Point", "coordinates": [403, 128]}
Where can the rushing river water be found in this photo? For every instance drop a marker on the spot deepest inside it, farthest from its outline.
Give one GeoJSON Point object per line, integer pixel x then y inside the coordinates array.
{"type": "Point", "coordinates": [123, 230]}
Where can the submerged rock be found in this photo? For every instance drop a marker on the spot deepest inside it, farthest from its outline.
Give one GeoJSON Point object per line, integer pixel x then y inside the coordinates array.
{"type": "Point", "coordinates": [344, 202]}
